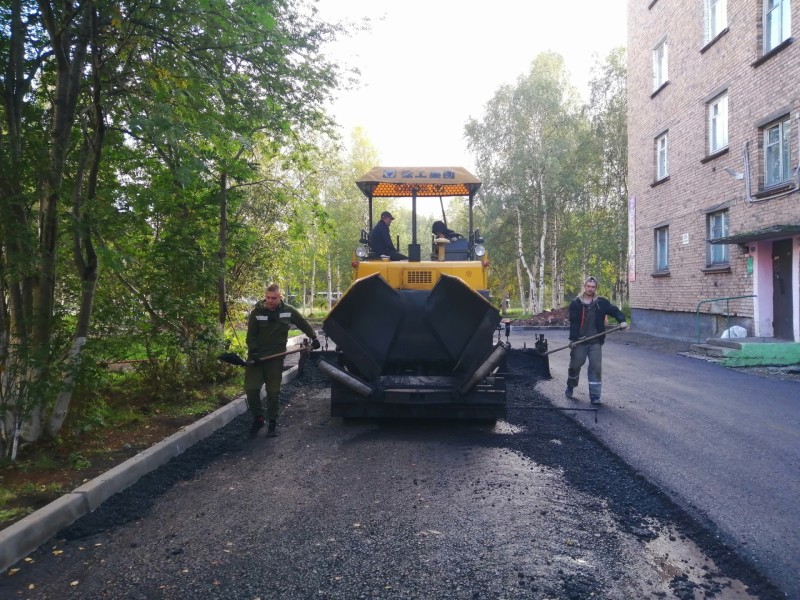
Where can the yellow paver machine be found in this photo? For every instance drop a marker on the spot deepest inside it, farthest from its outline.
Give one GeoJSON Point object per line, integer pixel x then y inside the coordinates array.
{"type": "Point", "coordinates": [415, 338]}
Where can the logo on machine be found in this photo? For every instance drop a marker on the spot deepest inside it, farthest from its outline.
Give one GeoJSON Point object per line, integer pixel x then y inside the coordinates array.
{"type": "Point", "coordinates": [419, 174]}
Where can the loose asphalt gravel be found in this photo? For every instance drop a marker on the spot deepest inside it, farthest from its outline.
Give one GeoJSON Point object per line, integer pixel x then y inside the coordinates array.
{"type": "Point", "coordinates": [532, 507]}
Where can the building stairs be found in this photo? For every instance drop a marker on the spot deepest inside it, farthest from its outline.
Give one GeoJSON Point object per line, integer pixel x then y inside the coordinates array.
{"type": "Point", "coordinates": [722, 347]}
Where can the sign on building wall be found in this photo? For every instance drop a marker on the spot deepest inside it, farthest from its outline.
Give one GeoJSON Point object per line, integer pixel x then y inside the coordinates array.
{"type": "Point", "coordinates": [632, 238]}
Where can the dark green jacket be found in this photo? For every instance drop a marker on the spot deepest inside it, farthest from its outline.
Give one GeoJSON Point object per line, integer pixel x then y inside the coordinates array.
{"type": "Point", "coordinates": [268, 330]}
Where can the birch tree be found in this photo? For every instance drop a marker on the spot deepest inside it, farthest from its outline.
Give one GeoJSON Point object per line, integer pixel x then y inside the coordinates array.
{"type": "Point", "coordinates": [521, 143]}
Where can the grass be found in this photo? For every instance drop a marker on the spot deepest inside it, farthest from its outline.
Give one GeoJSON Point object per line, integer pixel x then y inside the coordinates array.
{"type": "Point", "coordinates": [21, 500]}
{"type": "Point", "coordinates": [11, 515]}
{"type": "Point", "coordinates": [103, 429]}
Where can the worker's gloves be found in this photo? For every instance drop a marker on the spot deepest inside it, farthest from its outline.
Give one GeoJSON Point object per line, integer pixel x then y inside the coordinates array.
{"type": "Point", "coordinates": [315, 344]}
{"type": "Point", "coordinates": [623, 325]}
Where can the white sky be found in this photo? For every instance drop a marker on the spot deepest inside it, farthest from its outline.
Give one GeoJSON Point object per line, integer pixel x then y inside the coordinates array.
{"type": "Point", "coordinates": [430, 65]}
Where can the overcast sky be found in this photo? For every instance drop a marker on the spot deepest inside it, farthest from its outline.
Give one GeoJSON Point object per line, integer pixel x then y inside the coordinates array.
{"type": "Point", "coordinates": [427, 66]}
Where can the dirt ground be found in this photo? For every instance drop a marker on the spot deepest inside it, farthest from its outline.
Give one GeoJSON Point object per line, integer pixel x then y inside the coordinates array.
{"type": "Point", "coordinates": [549, 318]}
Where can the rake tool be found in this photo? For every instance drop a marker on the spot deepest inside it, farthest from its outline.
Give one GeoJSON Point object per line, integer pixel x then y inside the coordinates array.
{"type": "Point", "coordinates": [541, 364]}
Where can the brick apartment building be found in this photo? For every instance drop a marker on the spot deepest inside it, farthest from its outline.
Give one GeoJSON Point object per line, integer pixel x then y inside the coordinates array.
{"type": "Point", "coordinates": [714, 166]}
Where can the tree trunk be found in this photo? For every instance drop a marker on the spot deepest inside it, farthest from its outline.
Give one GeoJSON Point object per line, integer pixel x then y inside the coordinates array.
{"type": "Point", "coordinates": [69, 39]}
{"type": "Point", "coordinates": [313, 279]}
{"type": "Point", "coordinates": [84, 255]}
{"type": "Point", "coordinates": [330, 282]}
{"type": "Point", "coordinates": [541, 260]}
{"type": "Point", "coordinates": [222, 253]}
{"type": "Point", "coordinates": [528, 272]}
{"type": "Point", "coordinates": [555, 292]}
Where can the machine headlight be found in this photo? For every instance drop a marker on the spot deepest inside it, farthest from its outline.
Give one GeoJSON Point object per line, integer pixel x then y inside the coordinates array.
{"type": "Point", "coordinates": [480, 250]}
{"type": "Point", "coordinates": [362, 252]}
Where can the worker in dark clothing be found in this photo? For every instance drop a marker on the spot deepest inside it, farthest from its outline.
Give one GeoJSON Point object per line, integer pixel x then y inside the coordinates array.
{"type": "Point", "coordinates": [587, 317]}
{"type": "Point", "coordinates": [380, 240]}
{"type": "Point", "coordinates": [267, 334]}
{"type": "Point", "coordinates": [440, 230]}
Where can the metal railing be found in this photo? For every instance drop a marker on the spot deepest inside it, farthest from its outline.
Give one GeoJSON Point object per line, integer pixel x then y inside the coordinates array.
{"type": "Point", "coordinates": [727, 310]}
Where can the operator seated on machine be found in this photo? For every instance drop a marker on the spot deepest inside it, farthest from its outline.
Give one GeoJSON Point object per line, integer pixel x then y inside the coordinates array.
{"type": "Point", "coordinates": [440, 230]}
{"type": "Point", "coordinates": [443, 238]}
{"type": "Point", "coordinates": [380, 240]}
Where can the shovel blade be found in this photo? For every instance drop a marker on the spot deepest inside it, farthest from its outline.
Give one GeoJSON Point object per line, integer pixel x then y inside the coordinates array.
{"type": "Point", "coordinates": [232, 359]}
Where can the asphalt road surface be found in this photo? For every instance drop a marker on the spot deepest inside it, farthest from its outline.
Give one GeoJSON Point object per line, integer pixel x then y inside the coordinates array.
{"type": "Point", "coordinates": [533, 507]}
{"type": "Point", "coordinates": [722, 443]}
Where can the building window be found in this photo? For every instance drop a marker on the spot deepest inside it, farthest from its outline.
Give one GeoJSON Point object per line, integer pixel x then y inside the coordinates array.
{"type": "Point", "coordinates": [777, 23]}
{"type": "Point", "coordinates": [660, 74]}
{"type": "Point", "coordinates": [717, 228]}
{"type": "Point", "coordinates": [662, 249]}
{"type": "Point", "coordinates": [718, 124]}
{"type": "Point", "coordinates": [716, 16]}
{"type": "Point", "coordinates": [662, 167]}
{"type": "Point", "coordinates": [777, 154]}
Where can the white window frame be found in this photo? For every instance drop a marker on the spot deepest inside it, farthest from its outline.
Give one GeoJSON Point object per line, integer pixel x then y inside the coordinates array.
{"type": "Point", "coordinates": [660, 62]}
{"type": "Point", "coordinates": [716, 18]}
{"type": "Point", "coordinates": [777, 23]}
{"type": "Point", "coordinates": [662, 156]}
{"type": "Point", "coordinates": [718, 123]}
{"type": "Point", "coordinates": [661, 246]}
{"type": "Point", "coordinates": [717, 227]}
{"type": "Point", "coordinates": [777, 153]}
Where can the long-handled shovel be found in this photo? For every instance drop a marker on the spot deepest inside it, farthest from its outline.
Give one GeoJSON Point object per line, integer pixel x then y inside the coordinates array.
{"type": "Point", "coordinates": [235, 359]}
{"type": "Point", "coordinates": [541, 364]}
{"type": "Point", "coordinates": [583, 340]}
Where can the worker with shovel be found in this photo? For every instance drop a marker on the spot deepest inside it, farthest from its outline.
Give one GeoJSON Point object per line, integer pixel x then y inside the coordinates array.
{"type": "Point", "coordinates": [587, 316]}
{"type": "Point", "coordinates": [267, 333]}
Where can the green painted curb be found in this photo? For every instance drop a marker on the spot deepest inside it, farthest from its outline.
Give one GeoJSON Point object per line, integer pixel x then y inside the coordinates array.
{"type": "Point", "coordinates": [761, 355]}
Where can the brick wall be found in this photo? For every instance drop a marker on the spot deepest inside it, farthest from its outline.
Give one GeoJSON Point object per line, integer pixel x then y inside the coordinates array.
{"type": "Point", "coordinates": [697, 182]}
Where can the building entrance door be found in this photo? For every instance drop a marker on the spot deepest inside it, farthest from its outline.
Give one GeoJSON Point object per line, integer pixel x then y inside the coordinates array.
{"type": "Point", "coordinates": [782, 286]}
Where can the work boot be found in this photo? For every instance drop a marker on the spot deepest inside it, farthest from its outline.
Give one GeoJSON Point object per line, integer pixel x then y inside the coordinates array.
{"type": "Point", "coordinates": [568, 392]}
{"type": "Point", "coordinates": [595, 399]}
{"type": "Point", "coordinates": [257, 425]}
{"type": "Point", "coordinates": [271, 432]}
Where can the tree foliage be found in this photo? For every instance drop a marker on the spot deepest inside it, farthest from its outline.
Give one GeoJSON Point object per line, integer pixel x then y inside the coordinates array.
{"type": "Point", "coordinates": [553, 170]}
{"type": "Point", "coordinates": [149, 143]}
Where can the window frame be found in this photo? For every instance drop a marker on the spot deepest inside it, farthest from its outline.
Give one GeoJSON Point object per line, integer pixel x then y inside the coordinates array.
{"type": "Point", "coordinates": [774, 35]}
{"type": "Point", "coordinates": [662, 156]}
{"type": "Point", "coordinates": [784, 151]}
{"type": "Point", "coordinates": [718, 120]}
{"type": "Point", "coordinates": [716, 18]}
{"type": "Point", "coordinates": [661, 249]}
{"type": "Point", "coordinates": [717, 254]}
{"type": "Point", "coordinates": [660, 64]}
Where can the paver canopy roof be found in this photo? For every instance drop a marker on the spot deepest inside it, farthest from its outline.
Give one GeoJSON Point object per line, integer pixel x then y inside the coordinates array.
{"type": "Point", "coordinates": [402, 182]}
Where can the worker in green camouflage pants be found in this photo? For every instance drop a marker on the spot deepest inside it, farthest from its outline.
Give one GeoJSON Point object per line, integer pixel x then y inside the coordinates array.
{"type": "Point", "coordinates": [267, 333]}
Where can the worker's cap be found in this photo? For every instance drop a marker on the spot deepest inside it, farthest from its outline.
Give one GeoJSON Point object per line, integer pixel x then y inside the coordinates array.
{"type": "Point", "coordinates": [385, 214]}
